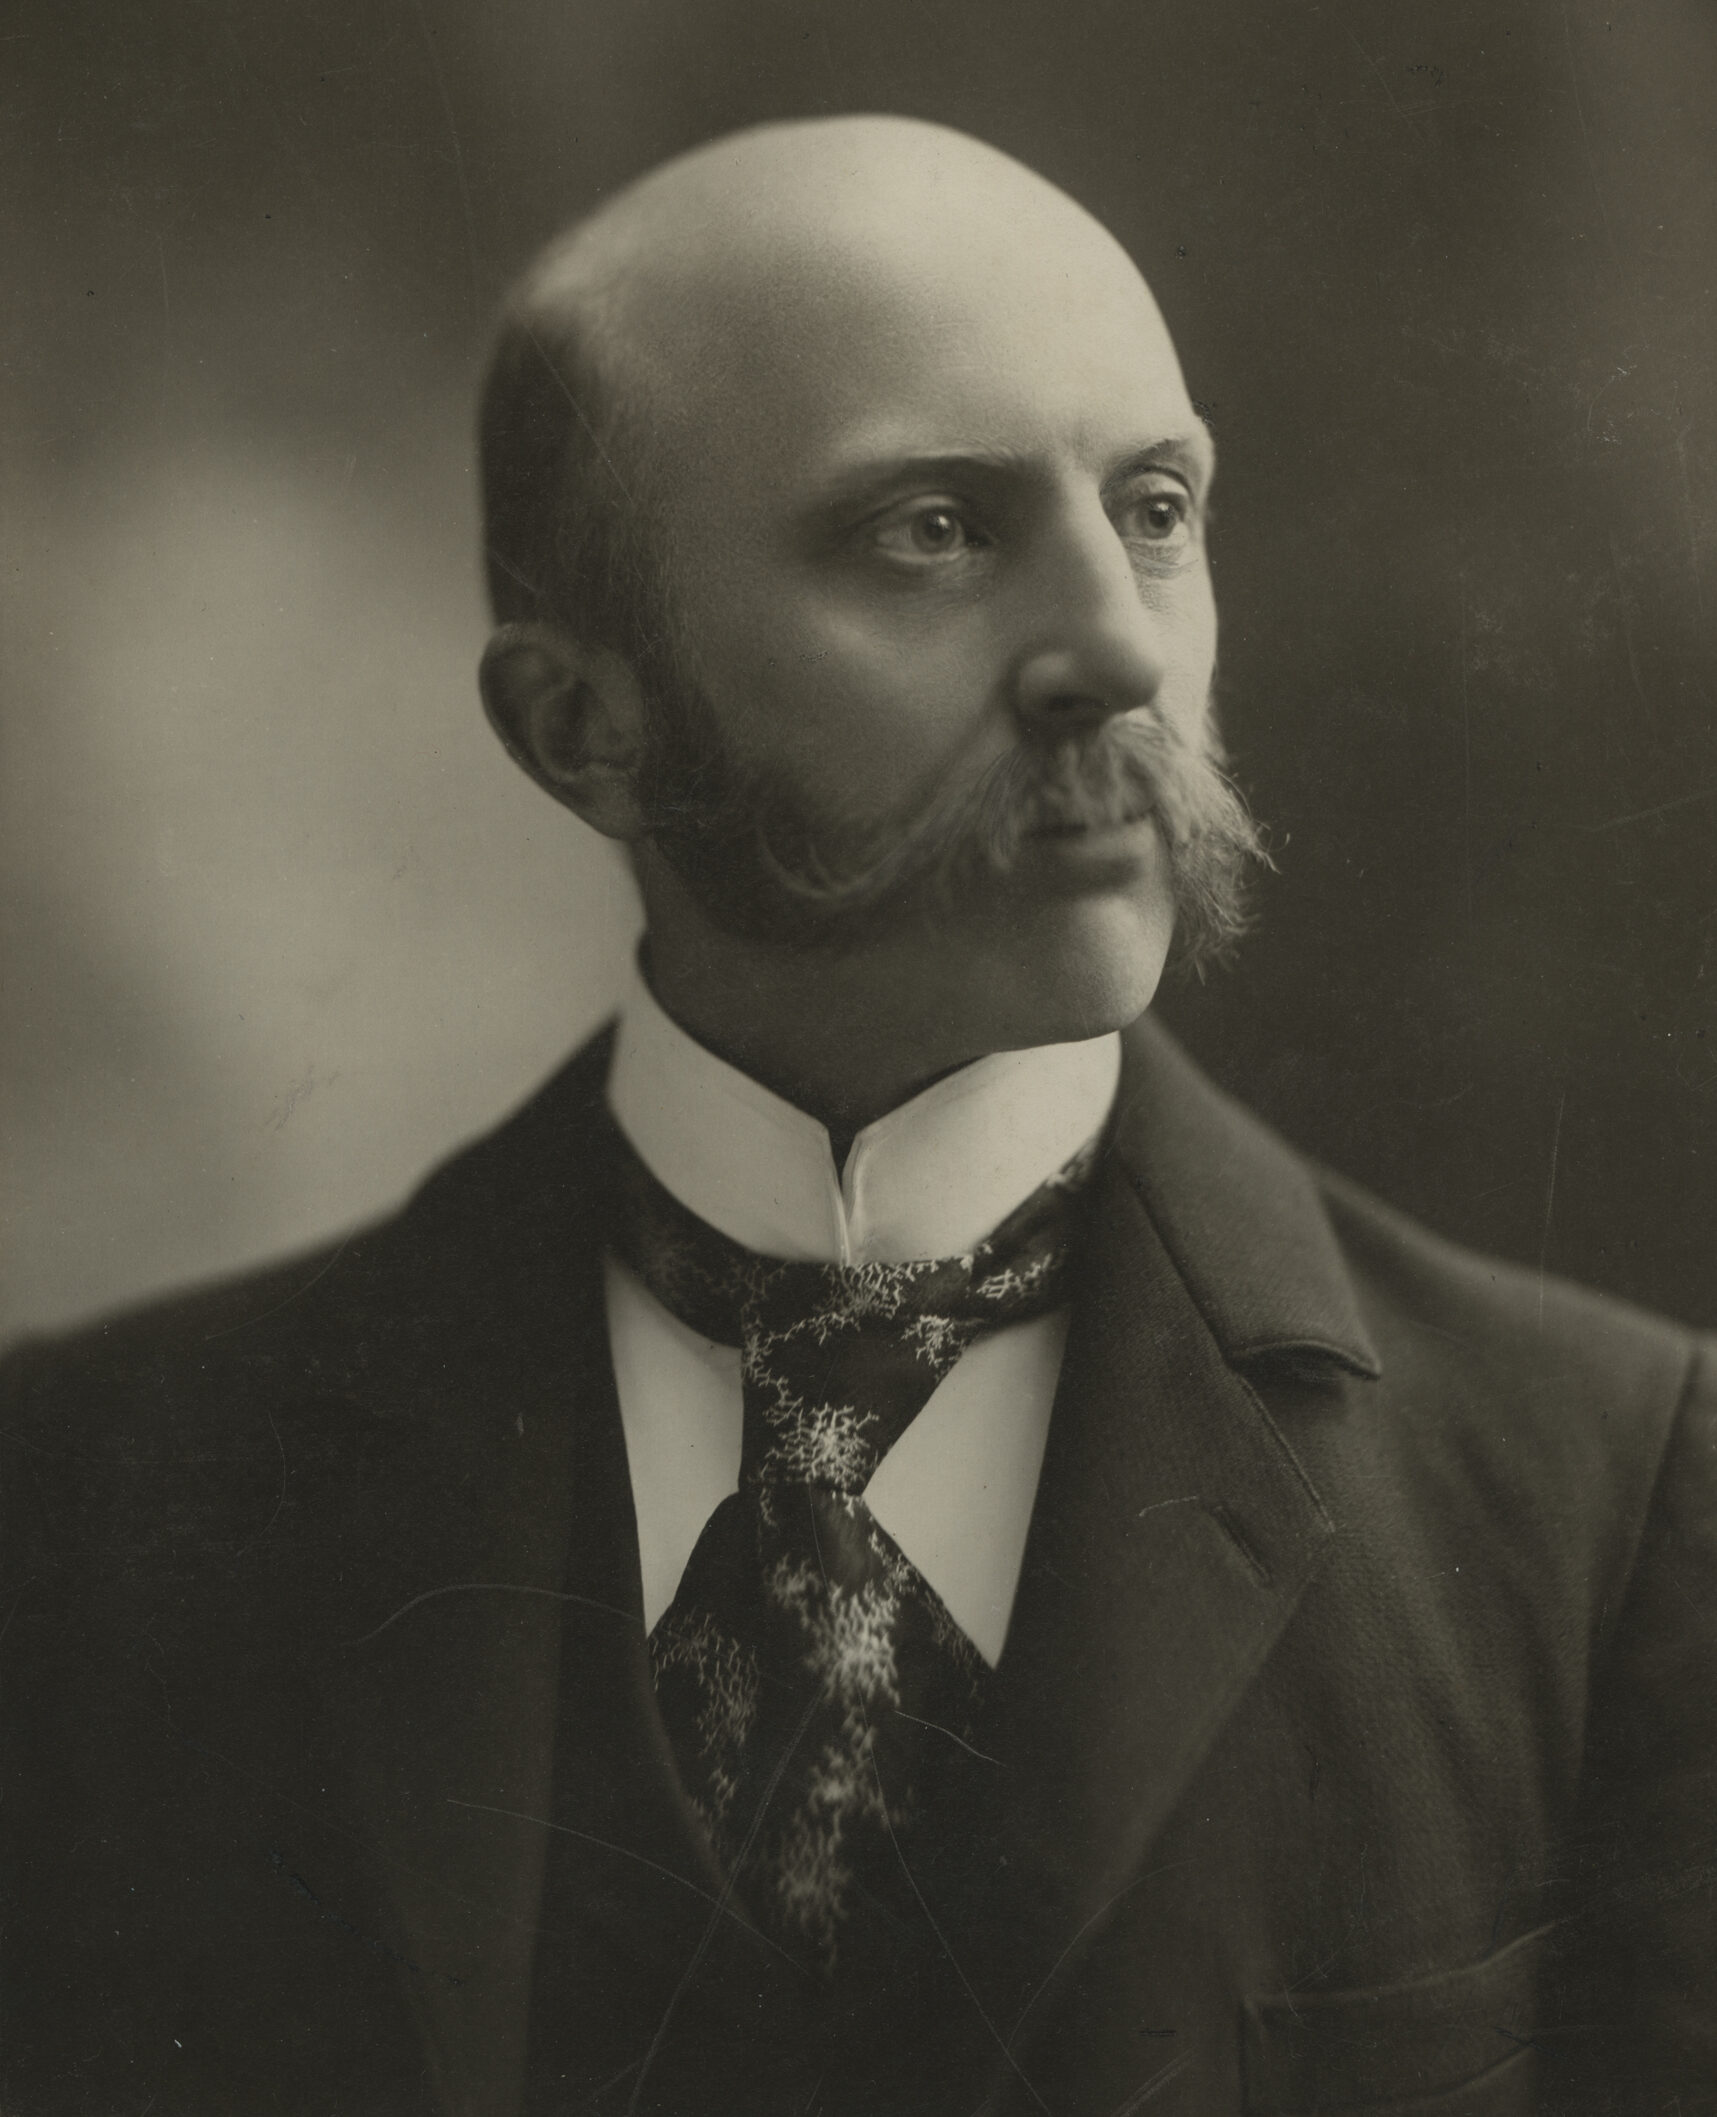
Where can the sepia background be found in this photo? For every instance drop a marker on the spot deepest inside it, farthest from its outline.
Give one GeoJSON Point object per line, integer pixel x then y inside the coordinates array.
{"type": "Point", "coordinates": [282, 925]}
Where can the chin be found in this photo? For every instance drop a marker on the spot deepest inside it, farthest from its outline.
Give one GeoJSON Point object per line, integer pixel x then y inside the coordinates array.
{"type": "Point", "coordinates": [1080, 968]}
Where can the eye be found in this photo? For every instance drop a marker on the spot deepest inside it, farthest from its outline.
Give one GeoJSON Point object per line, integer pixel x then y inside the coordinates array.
{"type": "Point", "coordinates": [926, 529]}
{"type": "Point", "coordinates": [1159, 516]}
{"type": "Point", "coordinates": [1163, 514]}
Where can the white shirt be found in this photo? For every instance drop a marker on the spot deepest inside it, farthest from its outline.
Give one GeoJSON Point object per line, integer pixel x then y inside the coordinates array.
{"type": "Point", "coordinates": [931, 1179]}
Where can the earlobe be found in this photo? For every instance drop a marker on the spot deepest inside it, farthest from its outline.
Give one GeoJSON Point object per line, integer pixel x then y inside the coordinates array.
{"type": "Point", "coordinates": [571, 716]}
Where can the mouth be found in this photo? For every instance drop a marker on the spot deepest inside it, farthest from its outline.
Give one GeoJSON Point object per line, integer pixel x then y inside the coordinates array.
{"type": "Point", "coordinates": [1089, 826]}
{"type": "Point", "coordinates": [1108, 851]}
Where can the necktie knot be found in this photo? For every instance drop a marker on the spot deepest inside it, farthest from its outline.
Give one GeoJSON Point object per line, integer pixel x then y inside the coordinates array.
{"type": "Point", "coordinates": [837, 1360]}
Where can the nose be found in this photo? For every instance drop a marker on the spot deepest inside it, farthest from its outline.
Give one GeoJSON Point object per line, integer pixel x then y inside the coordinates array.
{"type": "Point", "coordinates": [1094, 650]}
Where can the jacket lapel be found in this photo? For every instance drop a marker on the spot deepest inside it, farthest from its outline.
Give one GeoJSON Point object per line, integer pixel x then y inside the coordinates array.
{"type": "Point", "coordinates": [513, 1784]}
{"type": "Point", "coordinates": [1174, 1532]}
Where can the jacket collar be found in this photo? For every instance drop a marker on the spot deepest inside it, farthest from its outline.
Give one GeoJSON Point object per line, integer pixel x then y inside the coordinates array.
{"type": "Point", "coordinates": [1239, 1213]}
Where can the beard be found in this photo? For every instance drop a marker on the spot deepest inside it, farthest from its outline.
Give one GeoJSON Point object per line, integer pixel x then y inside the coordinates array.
{"type": "Point", "coordinates": [763, 868]}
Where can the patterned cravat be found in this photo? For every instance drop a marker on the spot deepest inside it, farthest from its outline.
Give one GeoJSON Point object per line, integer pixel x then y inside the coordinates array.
{"type": "Point", "coordinates": [806, 1670]}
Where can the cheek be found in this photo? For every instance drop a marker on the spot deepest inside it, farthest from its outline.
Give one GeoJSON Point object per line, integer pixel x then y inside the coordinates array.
{"type": "Point", "coordinates": [1190, 658]}
{"type": "Point", "coordinates": [839, 704]}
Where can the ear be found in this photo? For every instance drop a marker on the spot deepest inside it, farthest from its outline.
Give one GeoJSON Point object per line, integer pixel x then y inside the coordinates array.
{"type": "Point", "coordinates": [573, 717]}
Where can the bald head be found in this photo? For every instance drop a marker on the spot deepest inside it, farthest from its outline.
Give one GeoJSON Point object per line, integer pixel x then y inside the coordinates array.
{"type": "Point", "coordinates": [762, 239]}
{"type": "Point", "coordinates": [823, 179]}
{"type": "Point", "coordinates": [765, 285]}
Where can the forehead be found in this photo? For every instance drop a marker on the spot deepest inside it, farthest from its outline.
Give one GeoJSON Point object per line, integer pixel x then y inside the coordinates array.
{"type": "Point", "coordinates": [803, 350]}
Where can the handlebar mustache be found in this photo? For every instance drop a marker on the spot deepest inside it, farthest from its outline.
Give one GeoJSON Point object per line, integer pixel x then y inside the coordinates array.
{"type": "Point", "coordinates": [761, 862]}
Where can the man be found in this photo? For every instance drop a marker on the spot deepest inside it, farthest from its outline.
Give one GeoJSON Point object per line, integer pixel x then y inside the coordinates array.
{"type": "Point", "coordinates": [880, 1547]}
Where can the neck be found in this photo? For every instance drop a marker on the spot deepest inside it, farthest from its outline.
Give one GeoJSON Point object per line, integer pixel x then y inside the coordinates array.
{"type": "Point", "coordinates": [819, 1035]}
{"type": "Point", "coordinates": [845, 1038]}
{"type": "Point", "coordinates": [848, 1036]}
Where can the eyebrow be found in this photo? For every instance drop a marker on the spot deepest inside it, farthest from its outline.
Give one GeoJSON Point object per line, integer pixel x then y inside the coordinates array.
{"type": "Point", "coordinates": [1192, 453]}
{"type": "Point", "coordinates": [853, 482]}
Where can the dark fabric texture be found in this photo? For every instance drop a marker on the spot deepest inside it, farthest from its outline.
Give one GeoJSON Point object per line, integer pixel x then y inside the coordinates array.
{"type": "Point", "coordinates": [1352, 1747]}
{"type": "Point", "coordinates": [809, 1677]}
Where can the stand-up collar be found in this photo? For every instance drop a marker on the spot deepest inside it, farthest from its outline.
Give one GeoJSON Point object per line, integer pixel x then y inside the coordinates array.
{"type": "Point", "coordinates": [931, 1179]}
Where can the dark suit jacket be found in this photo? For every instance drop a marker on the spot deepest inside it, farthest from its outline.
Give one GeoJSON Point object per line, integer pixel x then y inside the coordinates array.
{"type": "Point", "coordinates": [1354, 1747]}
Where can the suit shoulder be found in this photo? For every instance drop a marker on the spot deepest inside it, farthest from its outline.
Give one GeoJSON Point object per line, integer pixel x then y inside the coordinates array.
{"type": "Point", "coordinates": [1437, 1300]}
{"type": "Point", "coordinates": [178, 1360]}
{"type": "Point", "coordinates": [365, 1319]}
{"type": "Point", "coordinates": [1292, 1262]}
{"type": "Point", "coordinates": [300, 1418]}
{"type": "Point", "coordinates": [176, 1323]}
{"type": "Point", "coordinates": [147, 1440]}
{"type": "Point", "coordinates": [1561, 1417]}
{"type": "Point", "coordinates": [527, 1171]}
